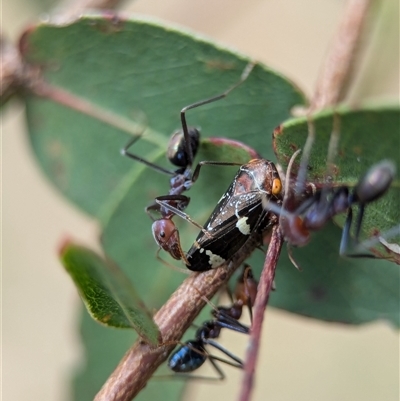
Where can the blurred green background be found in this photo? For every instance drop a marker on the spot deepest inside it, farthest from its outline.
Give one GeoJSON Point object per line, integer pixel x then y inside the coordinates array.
{"type": "Point", "coordinates": [301, 359]}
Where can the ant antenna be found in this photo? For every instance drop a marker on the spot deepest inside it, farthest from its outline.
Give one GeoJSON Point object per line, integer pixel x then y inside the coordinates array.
{"type": "Point", "coordinates": [301, 176]}
{"type": "Point", "coordinates": [333, 144]}
{"type": "Point", "coordinates": [287, 178]}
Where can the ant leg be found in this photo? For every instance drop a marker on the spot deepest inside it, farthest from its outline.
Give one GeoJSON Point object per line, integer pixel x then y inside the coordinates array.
{"type": "Point", "coordinates": [178, 202]}
{"type": "Point", "coordinates": [333, 144]}
{"type": "Point", "coordinates": [153, 207]}
{"type": "Point", "coordinates": [243, 77]}
{"type": "Point", "coordinates": [226, 321]}
{"type": "Point", "coordinates": [164, 203]}
{"type": "Point", "coordinates": [179, 269]}
{"type": "Point", "coordinates": [125, 152]}
{"type": "Point", "coordinates": [229, 292]}
{"type": "Point", "coordinates": [381, 238]}
{"type": "Point", "coordinates": [291, 258]}
{"type": "Point", "coordinates": [370, 187]}
{"type": "Point", "coordinates": [361, 247]}
{"type": "Point", "coordinates": [287, 179]}
{"type": "Point", "coordinates": [189, 376]}
{"type": "Point", "coordinates": [301, 176]}
{"type": "Point", "coordinates": [221, 375]}
{"type": "Point", "coordinates": [360, 217]}
{"type": "Point", "coordinates": [238, 362]}
{"type": "Point", "coordinates": [346, 240]}
{"type": "Point", "coordinates": [332, 149]}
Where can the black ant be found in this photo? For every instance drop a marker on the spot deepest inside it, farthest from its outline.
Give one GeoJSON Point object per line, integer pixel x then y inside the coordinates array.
{"type": "Point", "coordinates": [192, 354]}
{"type": "Point", "coordinates": [164, 230]}
{"type": "Point", "coordinates": [182, 149]}
{"type": "Point", "coordinates": [298, 216]}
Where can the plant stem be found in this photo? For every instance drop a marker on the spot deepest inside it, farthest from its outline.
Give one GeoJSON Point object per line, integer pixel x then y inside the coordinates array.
{"type": "Point", "coordinates": [11, 69]}
{"type": "Point", "coordinates": [173, 319]}
{"type": "Point", "coordinates": [263, 291]}
{"type": "Point", "coordinates": [337, 69]}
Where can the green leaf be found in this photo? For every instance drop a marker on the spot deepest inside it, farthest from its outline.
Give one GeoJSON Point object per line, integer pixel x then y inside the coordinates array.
{"type": "Point", "coordinates": [107, 293]}
{"type": "Point", "coordinates": [135, 74]}
{"type": "Point", "coordinates": [334, 288]}
{"type": "Point", "coordinates": [367, 135]}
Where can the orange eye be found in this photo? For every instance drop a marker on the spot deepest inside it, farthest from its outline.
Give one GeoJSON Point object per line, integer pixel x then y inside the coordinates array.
{"type": "Point", "coordinates": [276, 186]}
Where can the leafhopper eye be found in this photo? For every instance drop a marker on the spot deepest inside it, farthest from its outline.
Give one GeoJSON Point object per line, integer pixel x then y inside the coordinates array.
{"type": "Point", "coordinates": [276, 186]}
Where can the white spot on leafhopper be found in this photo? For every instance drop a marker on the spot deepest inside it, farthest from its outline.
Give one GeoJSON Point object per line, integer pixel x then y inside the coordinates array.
{"type": "Point", "coordinates": [215, 260]}
{"type": "Point", "coordinates": [242, 226]}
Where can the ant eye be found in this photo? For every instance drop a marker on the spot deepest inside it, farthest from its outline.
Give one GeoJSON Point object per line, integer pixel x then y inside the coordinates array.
{"type": "Point", "coordinates": [162, 234]}
{"type": "Point", "coordinates": [276, 186]}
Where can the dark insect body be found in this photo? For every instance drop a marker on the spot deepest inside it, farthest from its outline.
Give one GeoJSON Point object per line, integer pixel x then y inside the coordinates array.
{"type": "Point", "coordinates": [313, 214]}
{"type": "Point", "coordinates": [182, 149]}
{"type": "Point", "coordinates": [239, 213]}
{"type": "Point", "coordinates": [297, 219]}
{"type": "Point", "coordinates": [191, 355]}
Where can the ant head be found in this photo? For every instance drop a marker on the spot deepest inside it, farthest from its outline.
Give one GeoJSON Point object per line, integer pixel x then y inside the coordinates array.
{"type": "Point", "coordinates": [167, 237]}
{"type": "Point", "coordinates": [177, 152]}
{"type": "Point", "coordinates": [375, 182]}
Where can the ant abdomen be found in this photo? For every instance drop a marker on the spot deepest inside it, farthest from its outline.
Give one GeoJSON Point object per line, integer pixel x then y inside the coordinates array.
{"type": "Point", "coordinates": [188, 357]}
{"type": "Point", "coordinates": [375, 182]}
{"type": "Point", "coordinates": [177, 149]}
{"type": "Point", "coordinates": [326, 205]}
